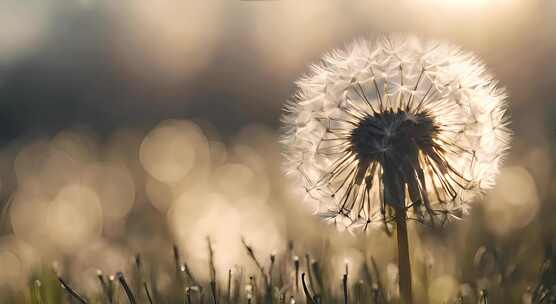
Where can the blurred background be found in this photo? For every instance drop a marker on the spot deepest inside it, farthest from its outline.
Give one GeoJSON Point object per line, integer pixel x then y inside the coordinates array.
{"type": "Point", "coordinates": [128, 126]}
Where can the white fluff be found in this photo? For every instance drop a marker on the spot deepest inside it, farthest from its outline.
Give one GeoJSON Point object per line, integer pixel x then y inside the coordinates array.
{"type": "Point", "coordinates": [390, 73]}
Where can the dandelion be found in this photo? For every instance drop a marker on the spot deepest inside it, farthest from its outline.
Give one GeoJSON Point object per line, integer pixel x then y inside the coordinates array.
{"type": "Point", "coordinates": [395, 129]}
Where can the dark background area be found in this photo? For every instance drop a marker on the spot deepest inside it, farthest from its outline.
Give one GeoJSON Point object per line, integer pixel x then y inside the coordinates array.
{"type": "Point", "coordinates": [85, 65]}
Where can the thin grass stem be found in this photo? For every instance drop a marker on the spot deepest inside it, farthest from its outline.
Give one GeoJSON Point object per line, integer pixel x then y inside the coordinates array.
{"type": "Point", "coordinates": [345, 285]}
{"type": "Point", "coordinates": [308, 295]}
{"type": "Point", "coordinates": [147, 293]}
{"type": "Point", "coordinates": [127, 290]}
{"type": "Point", "coordinates": [71, 292]}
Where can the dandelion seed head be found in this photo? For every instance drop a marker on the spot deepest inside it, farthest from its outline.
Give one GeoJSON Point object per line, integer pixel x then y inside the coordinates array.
{"type": "Point", "coordinates": [395, 123]}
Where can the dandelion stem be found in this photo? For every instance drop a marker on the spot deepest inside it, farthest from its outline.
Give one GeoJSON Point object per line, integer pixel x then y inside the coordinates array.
{"type": "Point", "coordinates": [403, 256]}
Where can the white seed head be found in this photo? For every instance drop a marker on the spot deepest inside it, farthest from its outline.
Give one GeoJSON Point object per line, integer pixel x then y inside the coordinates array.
{"type": "Point", "coordinates": [393, 123]}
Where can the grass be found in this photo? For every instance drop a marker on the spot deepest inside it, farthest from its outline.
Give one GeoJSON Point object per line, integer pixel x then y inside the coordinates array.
{"type": "Point", "coordinates": [286, 279]}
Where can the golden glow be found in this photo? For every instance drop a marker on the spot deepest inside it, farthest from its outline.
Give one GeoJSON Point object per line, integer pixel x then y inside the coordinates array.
{"type": "Point", "coordinates": [114, 186]}
{"type": "Point", "coordinates": [168, 152]}
{"type": "Point", "coordinates": [74, 217]}
{"type": "Point", "coordinates": [514, 203]}
{"type": "Point", "coordinates": [199, 214]}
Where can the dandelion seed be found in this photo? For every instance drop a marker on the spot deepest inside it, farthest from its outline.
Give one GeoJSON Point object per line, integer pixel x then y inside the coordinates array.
{"type": "Point", "coordinates": [395, 123]}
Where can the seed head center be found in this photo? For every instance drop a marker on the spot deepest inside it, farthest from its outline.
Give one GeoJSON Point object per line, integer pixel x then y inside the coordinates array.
{"type": "Point", "coordinates": [397, 134]}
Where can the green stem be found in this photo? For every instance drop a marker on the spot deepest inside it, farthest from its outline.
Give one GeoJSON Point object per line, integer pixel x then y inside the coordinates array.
{"type": "Point", "coordinates": [403, 257]}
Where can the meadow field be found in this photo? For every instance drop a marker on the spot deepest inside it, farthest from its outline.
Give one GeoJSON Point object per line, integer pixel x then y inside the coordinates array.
{"type": "Point", "coordinates": [146, 152]}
